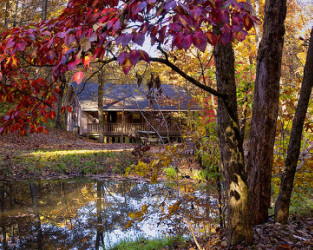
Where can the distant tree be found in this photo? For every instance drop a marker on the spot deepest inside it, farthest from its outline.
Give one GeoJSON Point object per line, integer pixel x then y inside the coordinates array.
{"type": "Point", "coordinates": [283, 200]}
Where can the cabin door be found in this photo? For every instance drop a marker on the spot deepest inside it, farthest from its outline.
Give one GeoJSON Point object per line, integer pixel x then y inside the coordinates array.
{"type": "Point", "coordinates": [112, 120]}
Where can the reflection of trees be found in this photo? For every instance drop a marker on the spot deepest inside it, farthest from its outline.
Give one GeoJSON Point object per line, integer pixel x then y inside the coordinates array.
{"type": "Point", "coordinates": [77, 214]}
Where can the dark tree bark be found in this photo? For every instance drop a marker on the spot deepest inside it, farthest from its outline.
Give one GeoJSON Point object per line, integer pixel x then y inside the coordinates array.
{"type": "Point", "coordinates": [100, 107]}
{"type": "Point", "coordinates": [15, 13]}
{"type": "Point", "coordinates": [265, 110]}
{"type": "Point", "coordinates": [283, 200]}
{"type": "Point", "coordinates": [6, 18]}
{"type": "Point", "coordinates": [231, 148]}
{"type": "Point", "coordinates": [2, 219]}
{"type": "Point", "coordinates": [44, 7]}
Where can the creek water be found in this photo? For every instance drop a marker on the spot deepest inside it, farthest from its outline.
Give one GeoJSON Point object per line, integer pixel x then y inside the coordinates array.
{"type": "Point", "coordinates": [96, 214]}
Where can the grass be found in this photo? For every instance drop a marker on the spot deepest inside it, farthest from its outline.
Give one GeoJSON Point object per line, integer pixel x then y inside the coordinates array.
{"type": "Point", "coordinates": [46, 162]}
{"type": "Point", "coordinates": [145, 244]}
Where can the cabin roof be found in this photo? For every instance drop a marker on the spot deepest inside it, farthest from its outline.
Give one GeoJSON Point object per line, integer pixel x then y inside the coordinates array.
{"type": "Point", "coordinates": [130, 97]}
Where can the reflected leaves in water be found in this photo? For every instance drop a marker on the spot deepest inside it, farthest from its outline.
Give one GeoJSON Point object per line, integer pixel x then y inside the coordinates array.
{"type": "Point", "coordinates": [89, 214]}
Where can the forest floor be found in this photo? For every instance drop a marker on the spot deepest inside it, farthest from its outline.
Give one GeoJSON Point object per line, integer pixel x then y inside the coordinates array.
{"type": "Point", "coordinates": [27, 157]}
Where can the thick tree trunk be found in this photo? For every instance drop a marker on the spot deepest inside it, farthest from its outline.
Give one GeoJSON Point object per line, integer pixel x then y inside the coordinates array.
{"type": "Point", "coordinates": [283, 200]}
{"type": "Point", "coordinates": [100, 107]}
{"type": "Point", "coordinates": [265, 110]}
{"type": "Point", "coordinates": [230, 143]}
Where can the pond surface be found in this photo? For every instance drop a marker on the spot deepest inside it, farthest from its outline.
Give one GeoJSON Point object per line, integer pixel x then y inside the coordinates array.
{"type": "Point", "coordinates": [95, 214]}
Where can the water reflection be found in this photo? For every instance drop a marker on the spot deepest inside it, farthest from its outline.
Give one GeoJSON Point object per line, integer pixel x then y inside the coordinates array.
{"type": "Point", "coordinates": [80, 214]}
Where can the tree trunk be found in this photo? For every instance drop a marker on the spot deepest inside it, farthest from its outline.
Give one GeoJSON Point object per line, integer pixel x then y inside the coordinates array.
{"type": "Point", "coordinates": [44, 6]}
{"type": "Point", "coordinates": [265, 110]}
{"type": "Point", "coordinates": [6, 15]}
{"type": "Point", "coordinates": [100, 107]}
{"type": "Point", "coordinates": [100, 228]}
{"type": "Point", "coordinates": [60, 121]}
{"type": "Point", "coordinates": [230, 143]}
{"type": "Point", "coordinates": [283, 200]}
{"type": "Point", "coordinates": [15, 14]}
{"type": "Point", "coordinates": [33, 192]}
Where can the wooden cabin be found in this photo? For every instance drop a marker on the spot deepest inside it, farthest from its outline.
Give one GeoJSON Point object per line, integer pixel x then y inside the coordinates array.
{"type": "Point", "coordinates": [129, 111]}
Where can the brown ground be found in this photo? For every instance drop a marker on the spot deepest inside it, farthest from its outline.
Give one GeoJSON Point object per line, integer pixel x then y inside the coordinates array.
{"type": "Point", "coordinates": [297, 235]}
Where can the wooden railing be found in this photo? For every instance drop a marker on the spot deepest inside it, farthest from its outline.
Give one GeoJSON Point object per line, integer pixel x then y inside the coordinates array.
{"type": "Point", "coordinates": [129, 128]}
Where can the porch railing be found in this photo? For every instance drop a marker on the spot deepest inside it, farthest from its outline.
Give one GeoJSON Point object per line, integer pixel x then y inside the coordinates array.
{"type": "Point", "coordinates": [129, 128]}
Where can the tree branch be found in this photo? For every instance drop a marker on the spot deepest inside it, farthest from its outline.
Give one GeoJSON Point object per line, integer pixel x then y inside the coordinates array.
{"type": "Point", "coordinates": [189, 78]}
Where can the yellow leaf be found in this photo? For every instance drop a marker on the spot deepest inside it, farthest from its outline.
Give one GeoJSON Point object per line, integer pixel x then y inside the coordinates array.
{"type": "Point", "coordinates": [144, 208]}
{"type": "Point", "coordinates": [154, 178]}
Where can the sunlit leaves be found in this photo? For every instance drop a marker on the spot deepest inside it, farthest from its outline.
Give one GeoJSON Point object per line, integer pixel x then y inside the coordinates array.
{"type": "Point", "coordinates": [78, 77]}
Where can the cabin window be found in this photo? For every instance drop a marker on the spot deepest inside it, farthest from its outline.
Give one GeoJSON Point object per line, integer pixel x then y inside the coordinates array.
{"type": "Point", "coordinates": [136, 117]}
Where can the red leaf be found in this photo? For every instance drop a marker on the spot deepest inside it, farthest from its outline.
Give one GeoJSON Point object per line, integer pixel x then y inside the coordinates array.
{"type": "Point", "coordinates": [195, 13]}
{"type": "Point", "coordinates": [211, 38]}
{"type": "Point", "coordinates": [111, 22]}
{"type": "Point", "coordinates": [134, 56]}
{"type": "Point", "coordinates": [178, 41]}
{"type": "Point", "coordinates": [52, 114]}
{"type": "Point", "coordinates": [139, 39]}
{"type": "Point", "coordinates": [224, 16]}
{"type": "Point", "coordinates": [122, 57]}
{"type": "Point", "coordinates": [182, 20]}
{"type": "Point", "coordinates": [117, 25]}
{"type": "Point", "coordinates": [72, 65]}
{"type": "Point", "coordinates": [69, 39]}
{"type": "Point", "coordinates": [126, 39]}
{"type": "Point", "coordinates": [200, 40]}
{"type": "Point", "coordinates": [187, 42]}
{"type": "Point", "coordinates": [247, 22]}
{"type": "Point", "coordinates": [226, 37]}
{"type": "Point", "coordinates": [78, 77]}
{"type": "Point", "coordinates": [175, 27]}
{"type": "Point", "coordinates": [237, 24]}
{"type": "Point", "coordinates": [69, 109]}
{"type": "Point", "coordinates": [137, 7]}
{"type": "Point", "coordinates": [20, 46]}
{"type": "Point", "coordinates": [170, 5]}
{"type": "Point", "coordinates": [10, 43]}
{"type": "Point", "coordinates": [162, 33]}
{"type": "Point", "coordinates": [63, 109]}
